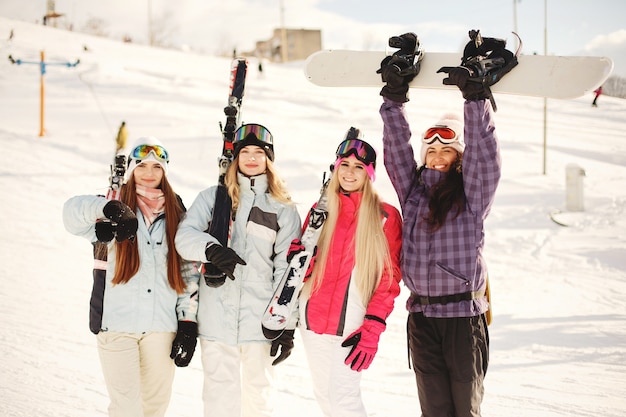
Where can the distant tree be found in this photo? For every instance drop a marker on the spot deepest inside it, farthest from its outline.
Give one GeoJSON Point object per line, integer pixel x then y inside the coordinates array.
{"type": "Point", "coordinates": [95, 26]}
{"type": "Point", "coordinates": [163, 31]}
{"type": "Point", "coordinates": [615, 86]}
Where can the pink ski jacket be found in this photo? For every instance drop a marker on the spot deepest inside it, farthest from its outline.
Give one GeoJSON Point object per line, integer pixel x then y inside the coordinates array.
{"type": "Point", "coordinates": [326, 308]}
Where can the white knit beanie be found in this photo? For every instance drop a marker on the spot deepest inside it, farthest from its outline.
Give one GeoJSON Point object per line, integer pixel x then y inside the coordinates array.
{"type": "Point", "coordinates": [132, 162]}
{"type": "Point", "coordinates": [452, 121]}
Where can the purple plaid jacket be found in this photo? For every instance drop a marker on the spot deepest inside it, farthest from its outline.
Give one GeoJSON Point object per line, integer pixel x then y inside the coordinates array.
{"type": "Point", "coordinates": [448, 261]}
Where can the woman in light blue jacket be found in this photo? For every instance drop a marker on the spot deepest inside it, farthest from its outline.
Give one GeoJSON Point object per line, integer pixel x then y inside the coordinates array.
{"type": "Point", "coordinates": [236, 357]}
{"type": "Point", "coordinates": [143, 291]}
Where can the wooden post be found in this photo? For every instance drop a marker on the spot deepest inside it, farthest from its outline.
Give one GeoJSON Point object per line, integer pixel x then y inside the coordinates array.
{"type": "Point", "coordinates": [42, 70]}
{"type": "Point", "coordinates": [41, 96]}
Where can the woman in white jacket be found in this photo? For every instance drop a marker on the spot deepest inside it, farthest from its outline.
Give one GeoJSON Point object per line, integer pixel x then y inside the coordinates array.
{"type": "Point", "coordinates": [143, 291]}
{"type": "Point", "coordinates": [236, 357]}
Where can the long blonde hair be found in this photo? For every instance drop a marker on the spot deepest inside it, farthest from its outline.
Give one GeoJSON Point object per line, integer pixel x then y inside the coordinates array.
{"type": "Point", "coordinates": [276, 186]}
{"type": "Point", "coordinates": [372, 257]}
{"type": "Point", "coordinates": [127, 253]}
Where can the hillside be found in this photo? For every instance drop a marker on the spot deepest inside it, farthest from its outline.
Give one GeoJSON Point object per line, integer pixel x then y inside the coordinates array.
{"type": "Point", "coordinates": [558, 340]}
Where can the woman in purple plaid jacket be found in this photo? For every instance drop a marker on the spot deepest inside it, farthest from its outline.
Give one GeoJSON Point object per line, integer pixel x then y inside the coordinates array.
{"type": "Point", "coordinates": [445, 197]}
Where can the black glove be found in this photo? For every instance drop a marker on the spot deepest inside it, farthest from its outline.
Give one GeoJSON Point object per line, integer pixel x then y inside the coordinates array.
{"type": "Point", "coordinates": [122, 218]}
{"type": "Point", "coordinates": [396, 86]}
{"type": "Point", "coordinates": [285, 343]}
{"type": "Point", "coordinates": [225, 259]}
{"type": "Point", "coordinates": [105, 232]}
{"type": "Point", "coordinates": [471, 90]}
{"type": "Point", "coordinates": [398, 70]}
{"type": "Point", "coordinates": [184, 343]}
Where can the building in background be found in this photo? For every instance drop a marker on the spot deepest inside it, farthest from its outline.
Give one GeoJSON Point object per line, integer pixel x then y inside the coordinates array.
{"type": "Point", "coordinates": [300, 43]}
{"type": "Point", "coordinates": [51, 15]}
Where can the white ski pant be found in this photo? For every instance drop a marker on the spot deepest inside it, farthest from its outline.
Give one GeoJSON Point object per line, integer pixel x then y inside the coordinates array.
{"type": "Point", "coordinates": [336, 386]}
{"type": "Point", "coordinates": [238, 380]}
{"type": "Point", "coordinates": [138, 372]}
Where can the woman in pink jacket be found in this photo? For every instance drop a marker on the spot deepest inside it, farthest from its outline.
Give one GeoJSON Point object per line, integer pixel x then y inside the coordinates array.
{"type": "Point", "coordinates": [354, 281]}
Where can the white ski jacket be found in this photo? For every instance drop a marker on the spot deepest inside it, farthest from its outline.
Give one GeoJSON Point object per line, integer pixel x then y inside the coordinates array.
{"type": "Point", "coordinates": [261, 235]}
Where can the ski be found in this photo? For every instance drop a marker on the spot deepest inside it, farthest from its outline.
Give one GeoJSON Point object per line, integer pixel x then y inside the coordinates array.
{"type": "Point", "coordinates": [118, 170]}
{"type": "Point", "coordinates": [285, 298]}
{"type": "Point", "coordinates": [101, 250]}
{"type": "Point", "coordinates": [220, 222]}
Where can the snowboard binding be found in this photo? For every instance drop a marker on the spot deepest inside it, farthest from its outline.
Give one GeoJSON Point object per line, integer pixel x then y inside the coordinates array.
{"type": "Point", "coordinates": [118, 169]}
{"type": "Point", "coordinates": [487, 58]}
{"type": "Point", "coordinates": [486, 61]}
{"type": "Point", "coordinates": [409, 56]}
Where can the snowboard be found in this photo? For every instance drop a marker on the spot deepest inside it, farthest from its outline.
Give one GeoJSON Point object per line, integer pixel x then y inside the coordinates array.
{"type": "Point", "coordinates": [559, 77]}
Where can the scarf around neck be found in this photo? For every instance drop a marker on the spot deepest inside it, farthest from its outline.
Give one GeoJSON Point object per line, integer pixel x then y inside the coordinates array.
{"type": "Point", "coordinates": [151, 202]}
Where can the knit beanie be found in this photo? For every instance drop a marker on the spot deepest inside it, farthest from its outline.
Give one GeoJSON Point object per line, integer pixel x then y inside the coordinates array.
{"type": "Point", "coordinates": [449, 120]}
{"type": "Point", "coordinates": [252, 138]}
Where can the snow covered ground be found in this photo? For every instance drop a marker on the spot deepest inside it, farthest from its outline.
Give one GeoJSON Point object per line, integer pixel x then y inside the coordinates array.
{"type": "Point", "coordinates": [558, 340]}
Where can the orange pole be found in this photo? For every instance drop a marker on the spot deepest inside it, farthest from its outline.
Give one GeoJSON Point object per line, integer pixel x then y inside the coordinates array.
{"type": "Point", "coordinates": [41, 96]}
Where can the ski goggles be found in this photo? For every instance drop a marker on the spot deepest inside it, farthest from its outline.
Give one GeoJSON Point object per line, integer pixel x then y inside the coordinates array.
{"type": "Point", "coordinates": [359, 148]}
{"type": "Point", "coordinates": [260, 133]}
{"type": "Point", "coordinates": [142, 152]}
{"type": "Point", "coordinates": [444, 135]}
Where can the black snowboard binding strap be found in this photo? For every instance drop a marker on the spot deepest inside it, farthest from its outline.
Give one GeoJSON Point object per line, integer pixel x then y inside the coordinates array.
{"type": "Point", "coordinates": [487, 60]}
{"type": "Point", "coordinates": [409, 56]}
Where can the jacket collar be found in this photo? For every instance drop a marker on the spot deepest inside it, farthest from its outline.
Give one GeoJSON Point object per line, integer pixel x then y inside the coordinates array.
{"type": "Point", "coordinates": [257, 184]}
{"type": "Point", "coordinates": [350, 202]}
{"type": "Point", "coordinates": [430, 177]}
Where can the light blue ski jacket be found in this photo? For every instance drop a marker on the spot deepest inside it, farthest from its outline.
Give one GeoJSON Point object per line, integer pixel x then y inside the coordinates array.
{"type": "Point", "coordinates": [261, 235]}
{"type": "Point", "coordinates": [146, 303]}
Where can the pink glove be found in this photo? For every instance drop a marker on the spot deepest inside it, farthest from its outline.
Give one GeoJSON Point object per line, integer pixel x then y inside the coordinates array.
{"type": "Point", "coordinates": [364, 342]}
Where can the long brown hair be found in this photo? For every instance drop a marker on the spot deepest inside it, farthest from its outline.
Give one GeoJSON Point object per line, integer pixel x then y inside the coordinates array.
{"type": "Point", "coordinates": [127, 253]}
{"type": "Point", "coordinates": [446, 196]}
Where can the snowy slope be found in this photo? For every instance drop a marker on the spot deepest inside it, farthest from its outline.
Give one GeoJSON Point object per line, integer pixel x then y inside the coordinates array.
{"type": "Point", "coordinates": [558, 340]}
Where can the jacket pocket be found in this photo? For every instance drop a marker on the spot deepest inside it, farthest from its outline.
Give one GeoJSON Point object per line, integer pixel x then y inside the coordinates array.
{"type": "Point", "coordinates": [454, 274]}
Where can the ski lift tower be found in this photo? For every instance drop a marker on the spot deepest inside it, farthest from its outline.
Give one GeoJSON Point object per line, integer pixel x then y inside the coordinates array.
{"type": "Point", "coordinates": [42, 69]}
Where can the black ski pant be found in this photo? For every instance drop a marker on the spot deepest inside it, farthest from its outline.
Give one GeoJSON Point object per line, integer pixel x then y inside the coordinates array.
{"type": "Point", "coordinates": [450, 358]}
